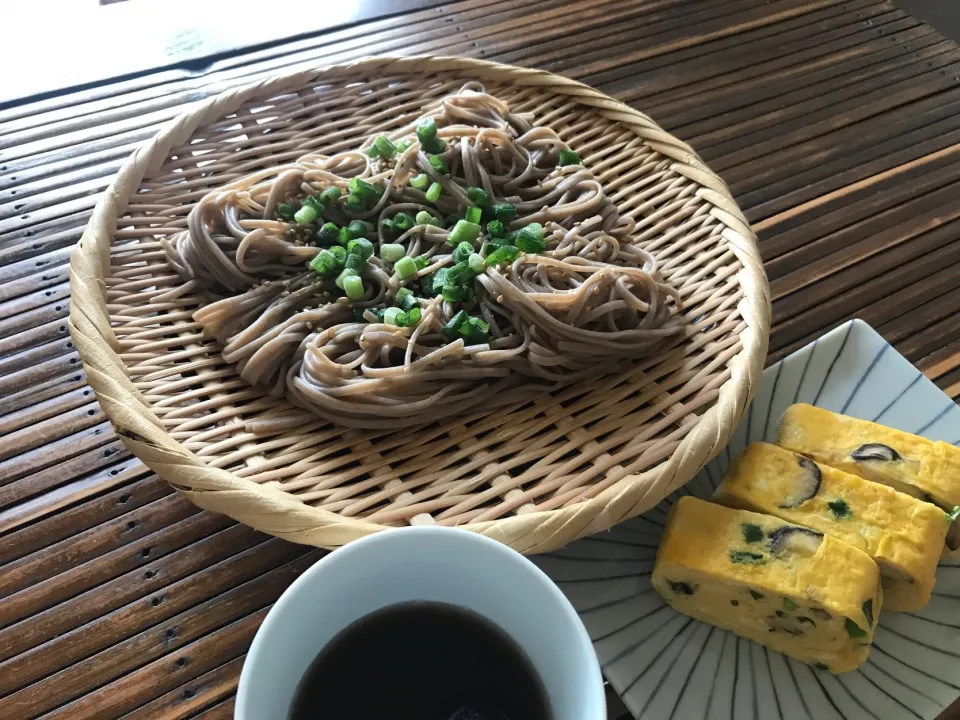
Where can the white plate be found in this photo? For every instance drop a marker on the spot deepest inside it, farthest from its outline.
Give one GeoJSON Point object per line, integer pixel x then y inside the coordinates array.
{"type": "Point", "coordinates": [668, 666]}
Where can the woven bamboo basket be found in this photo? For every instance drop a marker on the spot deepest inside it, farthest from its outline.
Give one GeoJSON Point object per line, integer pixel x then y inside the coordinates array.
{"type": "Point", "coordinates": [534, 476]}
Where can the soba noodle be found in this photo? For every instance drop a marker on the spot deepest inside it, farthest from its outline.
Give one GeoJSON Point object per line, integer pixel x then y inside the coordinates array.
{"type": "Point", "coordinates": [457, 329]}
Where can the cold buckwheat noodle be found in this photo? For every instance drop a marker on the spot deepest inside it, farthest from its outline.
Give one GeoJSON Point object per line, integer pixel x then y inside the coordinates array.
{"type": "Point", "coordinates": [466, 260]}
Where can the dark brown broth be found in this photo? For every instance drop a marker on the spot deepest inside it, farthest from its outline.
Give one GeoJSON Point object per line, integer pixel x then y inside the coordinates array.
{"type": "Point", "coordinates": [421, 661]}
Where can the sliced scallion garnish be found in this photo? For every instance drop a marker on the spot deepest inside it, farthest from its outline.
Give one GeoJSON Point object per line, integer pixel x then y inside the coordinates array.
{"type": "Point", "coordinates": [286, 211]}
{"type": "Point", "coordinates": [353, 287]}
{"type": "Point", "coordinates": [330, 196]}
{"type": "Point", "coordinates": [384, 147]}
{"type": "Point", "coordinates": [569, 157]}
{"type": "Point", "coordinates": [476, 263]}
{"type": "Point", "coordinates": [464, 231]}
{"type": "Point", "coordinates": [391, 252]}
{"type": "Point", "coordinates": [405, 267]}
{"type": "Point", "coordinates": [327, 234]}
{"type": "Point", "coordinates": [462, 252]}
{"type": "Point", "coordinates": [433, 194]}
{"type": "Point", "coordinates": [478, 196]}
{"type": "Point", "coordinates": [402, 221]}
{"type": "Point", "coordinates": [390, 315]}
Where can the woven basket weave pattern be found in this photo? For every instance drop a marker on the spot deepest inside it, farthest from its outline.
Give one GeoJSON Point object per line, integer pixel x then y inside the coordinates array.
{"type": "Point", "coordinates": [534, 476]}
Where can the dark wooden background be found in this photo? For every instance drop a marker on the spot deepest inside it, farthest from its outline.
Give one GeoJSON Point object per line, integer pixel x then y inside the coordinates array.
{"type": "Point", "coordinates": [836, 124]}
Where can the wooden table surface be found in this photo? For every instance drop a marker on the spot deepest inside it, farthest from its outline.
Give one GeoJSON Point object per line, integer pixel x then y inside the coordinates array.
{"type": "Point", "coordinates": [836, 124]}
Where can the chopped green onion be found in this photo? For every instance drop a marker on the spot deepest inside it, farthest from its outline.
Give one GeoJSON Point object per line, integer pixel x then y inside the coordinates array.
{"type": "Point", "coordinates": [435, 146]}
{"type": "Point", "coordinates": [476, 263]}
{"type": "Point", "coordinates": [363, 189]}
{"type": "Point", "coordinates": [402, 221]}
{"type": "Point", "coordinates": [324, 263]}
{"type": "Point", "coordinates": [473, 215]}
{"type": "Point", "coordinates": [569, 157]}
{"type": "Point", "coordinates": [496, 229]}
{"type": "Point", "coordinates": [340, 253]}
{"type": "Point", "coordinates": [425, 218]}
{"type": "Point", "coordinates": [355, 263]}
{"type": "Point", "coordinates": [354, 203]}
{"type": "Point", "coordinates": [437, 281]}
{"type": "Point", "coordinates": [839, 508]}
{"type": "Point", "coordinates": [456, 293]}
{"type": "Point", "coordinates": [419, 182]}
{"type": "Point", "coordinates": [386, 148]}
{"type": "Point", "coordinates": [403, 145]}
{"type": "Point", "coordinates": [427, 129]}
{"type": "Point", "coordinates": [353, 287]}
{"type": "Point", "coordinates": [391, 252]}
{"type": "Point", "coordinates": [344, 274]}
{"type": "Point", "coordinates": [451, 327]}
{"type": "Point", "coordinates": [373, 152]}
{"type": "Point", "coordinates": [475, 330]}
{"type": "Point", "coordinates": [459, 274]}
{"type": "Point", "coordinates": [465, 231]}
{"type": "Point", "coordinates": [305, 215]}
{"type": "Point", "coordinates": [530, 239]}
{"type": "Point", "coordinates": [359, 228]}
{"type": "Point", "coordinates": [854, 630]}
{"type": "Point", "coordinates": [315, 203]}
{"type": "Point", "coordinates": [405, 267]}
{"type": "Point", "coordinates": [330, 196]}
{"type": "Point", "coordinates": [427, 135]}
{"type": "Point", "coordinates": [327, 234]}
{"type": "Point", "coordinates": [405, 298]}
{"type": "Point", "coordinates": [410, 318]}
{"type": "Point", "coordinates": [362, 247]}
{"type": "Point", "coordinates": [478, 196]}
{"type": "Point", "coordinates": [743, 557]}
{"type": "Point", "coordinates": [286, 212]}
{"type": "Point", "coordinates": [388, 228]}
{"type": "Point", "coordinates": [505, 254]}
{"type": "Point", "coordinates": [438, 164]}
{"type": "Point", "coordinates": [462, 252]}
{"type": "Point", "coordinates": [751, 533]}
{"type": "Point", "coordinates": [390, 315]}
{"type": "Point", "coordinates": [421, 261]}
{"type": "Point", "coordinates": [344, 237]}
{"type": "Point", "coordinates": [433, 194]}
{"type": "Point", "coordinates": [505, 212]}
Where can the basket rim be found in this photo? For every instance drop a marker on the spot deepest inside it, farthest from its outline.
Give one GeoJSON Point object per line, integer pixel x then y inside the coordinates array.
{"type": "Point", "coordinates": [283, 515]}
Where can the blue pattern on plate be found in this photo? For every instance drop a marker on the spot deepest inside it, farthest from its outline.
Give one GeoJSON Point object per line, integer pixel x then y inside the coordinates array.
{"type": "Point", "coordinates": [668, 667]}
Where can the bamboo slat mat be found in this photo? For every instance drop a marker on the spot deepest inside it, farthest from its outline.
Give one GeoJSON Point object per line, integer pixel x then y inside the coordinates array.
{"type": "Point", "coordinates": [836, 124]}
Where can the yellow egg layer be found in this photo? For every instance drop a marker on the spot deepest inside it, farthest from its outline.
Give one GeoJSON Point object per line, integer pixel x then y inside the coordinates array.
{"type": "Point", "coordinates": [902, 534]}
{"type": "Point", "coordinates": [809, 596]}
{"type": "Point", "coordinates": [911, 464]}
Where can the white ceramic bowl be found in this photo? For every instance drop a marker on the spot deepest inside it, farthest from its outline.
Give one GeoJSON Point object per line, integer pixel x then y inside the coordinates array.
{"type": "Point", "coordinates": [422, 563]}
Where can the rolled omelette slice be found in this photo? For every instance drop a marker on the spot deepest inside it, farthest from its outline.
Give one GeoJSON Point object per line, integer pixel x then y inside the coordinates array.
{"type": "Point", "coordinates": [809, 596]}
{"type": "Point", "coordinates": [914, 465]}
{"type": "Point", "coordinates": [902, 534]}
